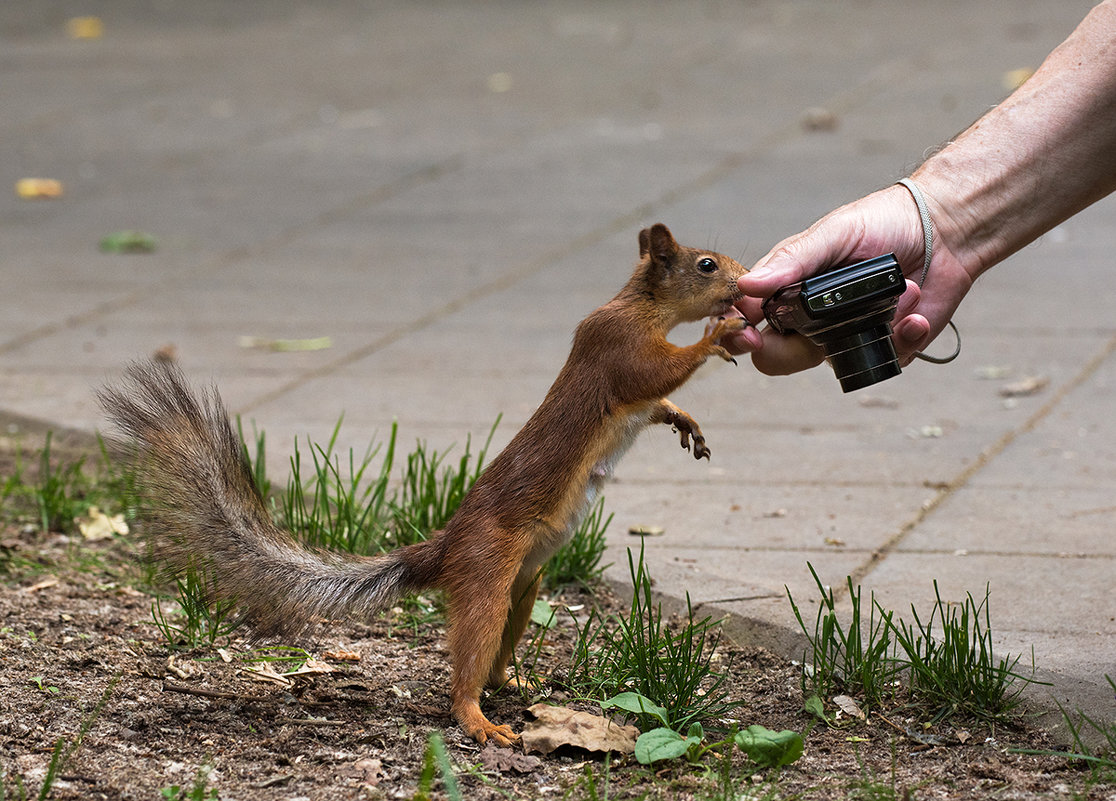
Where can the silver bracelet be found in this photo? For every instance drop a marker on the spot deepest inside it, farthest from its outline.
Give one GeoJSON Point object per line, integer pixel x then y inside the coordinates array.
{"type": "Point", "coordinates": [927, 257]}
{"type": "Point", "coordinates": [927, 225]}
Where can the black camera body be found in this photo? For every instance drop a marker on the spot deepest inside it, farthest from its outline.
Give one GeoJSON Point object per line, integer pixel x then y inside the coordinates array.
{"type": "Point", "coordinates": [847, 312]}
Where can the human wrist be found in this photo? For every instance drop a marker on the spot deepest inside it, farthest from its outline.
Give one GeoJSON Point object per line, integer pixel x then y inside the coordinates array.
{"type": "Point", "coordinates": [964, 201]}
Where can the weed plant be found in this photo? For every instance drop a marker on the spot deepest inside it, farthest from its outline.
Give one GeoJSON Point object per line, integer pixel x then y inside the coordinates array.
{"type": "Point", "coordinates": [856, 659]}
{"type": "Point", "coordinates": [61, 490]}
{"type": "Point", "coordinates": [640, 653]}
{"type": "Point", "coordinates": [362, 508]}
{"type": "Point", "coordinates": [948, 673]}
{"type": "Point", "coordinates": [201, 622]}
{"type": "Point", "coordinates": [957, 672]}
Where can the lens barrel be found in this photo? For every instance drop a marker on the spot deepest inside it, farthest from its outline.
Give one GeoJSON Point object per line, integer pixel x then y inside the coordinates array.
{"type": "Point", "coordinates": [862, 358]}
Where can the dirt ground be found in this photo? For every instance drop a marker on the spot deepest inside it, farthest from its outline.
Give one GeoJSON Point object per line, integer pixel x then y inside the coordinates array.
{"type": "Point", "coordinates": [79, 651]}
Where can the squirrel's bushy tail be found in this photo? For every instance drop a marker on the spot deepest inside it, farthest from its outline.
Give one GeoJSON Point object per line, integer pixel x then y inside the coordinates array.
{"type": "Point", "coordinates": [204, 511]}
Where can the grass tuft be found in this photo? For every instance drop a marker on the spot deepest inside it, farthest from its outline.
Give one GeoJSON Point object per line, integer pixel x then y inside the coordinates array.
{"type": "Point", "coordinates": [949, 671]}
{"type": "Point", "coordinates": [956, 672]}
{"type": "Point", "coordinates": [639, 653]}
{"type": "Point", "coordinates": [855, 658]}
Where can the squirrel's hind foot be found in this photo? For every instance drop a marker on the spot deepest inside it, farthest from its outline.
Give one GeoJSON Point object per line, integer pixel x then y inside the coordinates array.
{"type": "Point", "coordinates": [482, 730]}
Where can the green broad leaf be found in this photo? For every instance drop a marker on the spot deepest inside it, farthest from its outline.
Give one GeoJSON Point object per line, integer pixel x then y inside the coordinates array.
{"type": "Point", "coordinates": [815, 707]}
{"type": "Point", "coordinates": [660, 744]}
{"type": "Point", "coordinates": [129, 242]}
{"type": "Point", "coordinates": [639, 705]}
{"type": "Point", "coordinates": [542, 614]}
{"type": "Point", "coordinates": [768, 748]}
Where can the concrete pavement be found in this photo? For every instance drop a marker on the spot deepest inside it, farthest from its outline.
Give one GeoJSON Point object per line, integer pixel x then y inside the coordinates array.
{"type": "Point", "coordinates": [444, 190]}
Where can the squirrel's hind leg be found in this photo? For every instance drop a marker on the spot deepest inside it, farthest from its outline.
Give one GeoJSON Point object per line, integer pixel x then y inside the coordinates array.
{"type": "Point", "coordinates": [479, 606]}
{"type": "Point", "coordinates": [524, 591]}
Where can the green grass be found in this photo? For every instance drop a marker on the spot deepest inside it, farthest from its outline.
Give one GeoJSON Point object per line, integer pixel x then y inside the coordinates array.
{"type": "Point", "coordinates": [1101, 759]}
{"type": "Point", "coordinates": [639, 653]}
{"type": "Point", "coordinates": [436, 761]}
{"type": "Point", "coordinates": [365, 504]}
{"type": "Point", "coordinates": [198, 622]}
{"type": "Point", "coordinates": [953, 670]}
{"type": "Point", "coordinates": [60, 489]}
{"type": "Point", "coordinates": [856, 658]}
{"type": "Point", "coordinates": [945, 666]}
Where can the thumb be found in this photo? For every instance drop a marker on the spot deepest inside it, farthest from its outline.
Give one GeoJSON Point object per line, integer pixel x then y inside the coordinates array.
{"type": "Point", "coordinates": [798, 258]}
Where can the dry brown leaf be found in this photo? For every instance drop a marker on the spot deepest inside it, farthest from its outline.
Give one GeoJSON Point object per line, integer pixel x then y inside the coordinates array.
{"type": "Point", "coordinates": [309, 668]}
{"type": "Point", "coordinates": [49, 581]}
{"type": "Point", "coordinates": [263, 671]}
{"type": "Point", "coordinates": [819, 119]}
{"type": "Point", "coordinates": [185, 671]}
{"type": "Point", "coordinates": [1030, 385]}
{"type": "Point", "coordinates": [369, 772]}
{"type": "Point", "coordinates": [97, 525]}
{"type": "Point", "coordinates": [848, 706]}
{"type": "Point", "coordinates": [1013, 79]}
{"type": "Point", "coordinates": [555, 726]}
{"type": "Point", "coordinates": [342, 656]}
{"type": "Point", "coordinates": [85, 27]}
{"type": "Point", "coordinates": [505, 760]}
{"type": "Point", "coordinates": [38, 188]}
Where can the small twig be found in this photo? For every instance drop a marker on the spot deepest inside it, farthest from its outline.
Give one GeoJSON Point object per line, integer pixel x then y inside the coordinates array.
{"type": "Point", "coordinates": [313, 722]}
{"type": "Point", "coordinates": [171, 687]}
{"type": "Point", "coordinates": [895, 726]}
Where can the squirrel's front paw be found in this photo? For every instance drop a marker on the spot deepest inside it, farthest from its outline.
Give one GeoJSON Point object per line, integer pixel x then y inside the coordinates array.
{"type": "Point", "coordinates": [721, 328]}
{"type": "Point", "coordinates": [686, 427]}
{"type": "Point", "coordinates": [719, 350]}
{"type": "Point", "coordinates": [700, 451]}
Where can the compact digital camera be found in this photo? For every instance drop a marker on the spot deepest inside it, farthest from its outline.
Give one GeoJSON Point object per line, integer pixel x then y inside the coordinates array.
{"type": "Point", "coordinates": [847, 312]}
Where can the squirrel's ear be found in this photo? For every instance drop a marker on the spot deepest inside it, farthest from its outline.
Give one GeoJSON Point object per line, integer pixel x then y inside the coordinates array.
{"type": "Point", "coordinates": [657, 242]}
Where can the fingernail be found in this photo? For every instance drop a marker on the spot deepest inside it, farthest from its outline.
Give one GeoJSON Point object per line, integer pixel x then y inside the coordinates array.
{"type": "Point", "coordinates": [760, 272]}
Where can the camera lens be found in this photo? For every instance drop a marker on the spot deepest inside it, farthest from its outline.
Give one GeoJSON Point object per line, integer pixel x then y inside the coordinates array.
{"type": "Point", "coordinates": [862, 358]}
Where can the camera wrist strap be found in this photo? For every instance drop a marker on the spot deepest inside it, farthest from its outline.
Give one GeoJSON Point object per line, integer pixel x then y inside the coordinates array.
{"type": "Point", "coordinates": [928, 256]}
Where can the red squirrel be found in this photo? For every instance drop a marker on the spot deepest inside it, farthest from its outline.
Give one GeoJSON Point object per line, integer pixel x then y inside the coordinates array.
{"type": "Point", "coordinates": [204, 506]}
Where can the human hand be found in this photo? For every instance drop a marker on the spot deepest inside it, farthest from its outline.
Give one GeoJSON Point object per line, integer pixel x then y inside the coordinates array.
{"type": "Point", "coordinates": [883, 222]}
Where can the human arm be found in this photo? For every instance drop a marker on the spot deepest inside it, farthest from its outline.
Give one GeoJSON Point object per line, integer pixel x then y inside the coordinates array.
{"type": "Point", "coordinates": [1045, 153]}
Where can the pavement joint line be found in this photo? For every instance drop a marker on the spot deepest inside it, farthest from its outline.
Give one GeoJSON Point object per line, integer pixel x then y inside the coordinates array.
{"type": "Point", "coordinates": [237, 253]}
{"type": "Point", "coordinates": [984, 458]}
{"type": "Point", "coordinates": [724, 167]}
{"type": "Point", "coordinates": [738, 599]}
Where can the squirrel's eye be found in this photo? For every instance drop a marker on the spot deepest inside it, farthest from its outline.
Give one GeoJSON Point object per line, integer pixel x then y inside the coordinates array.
{"type": "Point", "coordinates": [707, 266]}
